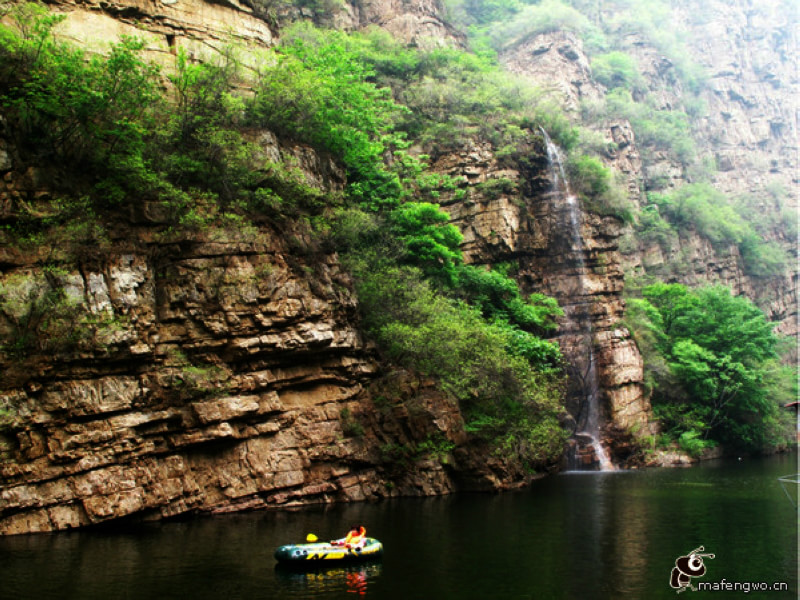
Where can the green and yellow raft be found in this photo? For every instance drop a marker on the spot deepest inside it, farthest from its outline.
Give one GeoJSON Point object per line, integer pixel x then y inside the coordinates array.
{"type": "Point", "coordinates": [324, 552]}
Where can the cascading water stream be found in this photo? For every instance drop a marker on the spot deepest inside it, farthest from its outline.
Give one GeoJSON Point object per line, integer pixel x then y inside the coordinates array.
{"type": "Point", "coordinates": [588, 421]}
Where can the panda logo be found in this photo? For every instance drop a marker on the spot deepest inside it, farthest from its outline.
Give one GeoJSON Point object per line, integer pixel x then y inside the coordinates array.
{"type": "Point", "coordinates": [687, 567]}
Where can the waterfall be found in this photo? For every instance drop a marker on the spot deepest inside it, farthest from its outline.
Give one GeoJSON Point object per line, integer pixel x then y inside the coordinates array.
{"type": "Point", "coordinates": [578, 319]}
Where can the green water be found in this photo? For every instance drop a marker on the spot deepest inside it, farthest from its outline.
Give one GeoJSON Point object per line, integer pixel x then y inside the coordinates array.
{"type": "Point", "coordinates": [599, 535]}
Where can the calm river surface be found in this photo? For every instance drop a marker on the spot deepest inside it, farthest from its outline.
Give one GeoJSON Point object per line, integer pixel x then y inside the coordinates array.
{"type": "Point", "coordinates": [582, 536]}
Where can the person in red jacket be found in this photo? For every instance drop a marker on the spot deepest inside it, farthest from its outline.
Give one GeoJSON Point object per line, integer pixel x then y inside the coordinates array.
{"type": "Point", "coordinates": [356, 538]}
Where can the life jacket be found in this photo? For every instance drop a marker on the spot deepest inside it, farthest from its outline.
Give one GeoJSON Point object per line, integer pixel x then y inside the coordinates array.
{"type": "Point", "coordinates": [356, 539]}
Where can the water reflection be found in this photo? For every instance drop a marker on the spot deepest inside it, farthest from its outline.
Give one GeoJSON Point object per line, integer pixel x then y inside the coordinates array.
{"type": "Point", "coordinates": [322, 581]}
{"type": "Point", "coordinates": [593, 535]}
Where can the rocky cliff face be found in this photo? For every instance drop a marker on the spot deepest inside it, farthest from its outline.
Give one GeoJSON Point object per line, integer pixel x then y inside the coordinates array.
{"type": "Point", "coordinates": [748, 128]}
{"type": "Point", "coordinates": [219, 371]}
{"type": "Point", "coordinates": [226, 371]}
{"type": "Point", "coordinates": [526, 221]}
{"type": "Point", "coordinates": [215, 371]}
{"type": "Point", "coordinates": [200, 28]}
{"type": "Point", "coordinates": [748, 52]}
{"type": "Point", "coordinates": [418, 23]}
{"type": "Point", "coordinates": [589, 282]}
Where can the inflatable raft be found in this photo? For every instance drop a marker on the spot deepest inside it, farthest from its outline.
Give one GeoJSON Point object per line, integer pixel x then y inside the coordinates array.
{"type": "Point", "coordinates": [324, 552]}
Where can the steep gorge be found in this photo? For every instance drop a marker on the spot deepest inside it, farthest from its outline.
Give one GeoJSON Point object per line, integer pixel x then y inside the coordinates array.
{"type": "Point", "coordinates": [235, 375]}
{"type": "Point", "coordinates": [231, 375]}
{"type": "Point", "coordinates": [746, 129]}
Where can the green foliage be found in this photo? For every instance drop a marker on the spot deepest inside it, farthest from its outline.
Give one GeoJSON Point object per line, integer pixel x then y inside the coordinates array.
{"type": "Point", "coordinates": [472, 358]}
{"type": "Point", "coordinates": [691, 443]}
{"type": "Point", "coordinates": [435, 446]}
{"type": "Point", "coordinates": [354, 230]}
{"type": "Point", "coordinates": [392, 61]}
{"type": "Point", "coordinates": [317, 90]}
{"type": "Point", "coordinates": [499, 299]}
{"type": "Point", "coordinates": [714, 216]}
{"type": "Point", "coordinates": [351, 427]}
{"type": "Point", "coordinates": [618, 69]}
{"type": "Point", "coordinates": [648, 18]}
{"type": "Point", "coordinates": [588, 176]}
{"type": "Point", "coordinates": [39, 316]}
{"type": "Point", "coordinates": [430, 242]}
{"type": "Point", "coordinates": [543, 17]}
{"type": "Point", "coordinates": [703, 207]}
{"type": "Point", "coordinates": [707, 354]}
{"type": "Point", "coordinates": [652, 228]}
{"type": "Point", "coordinates": [760, 258]}
{"type": "Point", "coordinates": [596, 186]}
{"type": "Point", "coordinates": [419, 234]}
{"type": "Point", "coordinates": [646, 325]}
{"type": "Point", "coordinates": [498, 186]}
{"type": "Point", "coordinates": [425, 330]}
{"type": "Point", "coordinates": [61, 105]}
{"type": "Point", "coordinates": [482, 12]}
{"type": "Point", "coordinates": [202, 381]}
{"type": "Point", "coordinates": [187, 150]}
{"type": "Point", "coordinates": [199, 146]}
{"type": "Point", "coordinates": [544, 354]}
{"type": "Point", "coordinates": [68, 225]}
{"type": "Point", "coordinates": [656, 129]}
{"type": "Point", "coordinates": [453, 95]}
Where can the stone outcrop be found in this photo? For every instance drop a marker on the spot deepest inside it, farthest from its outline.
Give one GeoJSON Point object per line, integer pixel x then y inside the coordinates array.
{"type": "Point", "coordinates": [557, 61]}
{"type": "Point", "coordinates": [748, 52]}
{"type": "Point", "coordinates": [209, 372]}
{"type": "Point", "coordinates": [508, 211]}
{"type": "Point", "coordinates": [590, 280]}
{"type": "Point", "coordinates": [201, 29]}
{"type": "Point", "coordinates": [220, 370]}
{"type": "Point", "coordinates": [419, 23]}
{"type": "Point", "coordinates": [224, 370]}
{"type": "Point", "coordinates": [750, 130]}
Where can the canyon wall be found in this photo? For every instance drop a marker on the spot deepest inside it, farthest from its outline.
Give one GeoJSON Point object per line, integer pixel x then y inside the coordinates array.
{"type": "Point", "coordinates": [526, 221]}
{"type": "Point", "coordinates": [228, 372]}
{"type": "Point", "coordinates": [748, 51]}
{"type": "Point", "coordinates": [748, 128]}
{"type": "Point", "coordinates": [592, 282]}
{"type": "Point", "coordinates": [224, 371]}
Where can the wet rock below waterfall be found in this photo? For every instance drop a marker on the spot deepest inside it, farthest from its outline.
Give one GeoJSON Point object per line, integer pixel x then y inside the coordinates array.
{"type": "Point", "coordinates": [581, 454]}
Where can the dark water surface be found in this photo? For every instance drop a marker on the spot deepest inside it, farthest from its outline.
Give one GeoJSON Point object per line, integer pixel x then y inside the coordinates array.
{"type": "Point", "coordinates": [599, 535]}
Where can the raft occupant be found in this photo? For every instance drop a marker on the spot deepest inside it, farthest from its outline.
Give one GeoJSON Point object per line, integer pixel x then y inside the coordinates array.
{"type": "Point", "coordinates": [356, 538]}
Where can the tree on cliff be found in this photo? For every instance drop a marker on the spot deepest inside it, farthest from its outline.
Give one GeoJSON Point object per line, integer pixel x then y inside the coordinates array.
{"type": "Point", "coordinates": [710, 356]}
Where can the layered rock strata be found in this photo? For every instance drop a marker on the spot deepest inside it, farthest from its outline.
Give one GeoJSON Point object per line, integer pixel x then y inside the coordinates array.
{"type": "Point", "coordinates": [509, 211]}
{"type": "Point", "coordinates": [748, 127]}
{"type": "Point", "coordinates": [209, 372]}
{"type": "Point", "coordinates": [225, 370]}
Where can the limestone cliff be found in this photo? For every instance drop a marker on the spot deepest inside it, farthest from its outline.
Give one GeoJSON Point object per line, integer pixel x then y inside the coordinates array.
{"type": "Point", "coordinates": [210, 371]}
{"type": "Point", "coordinates": [222, 371]}
{"type": "Point", "coordinates": [526, 222]}
{"type": "Point", "coordinates": [225, 369]}
{"type": "Point", "coordinates": [748, 52]}
{"type": "Point", "coordinates": [557, 60]}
